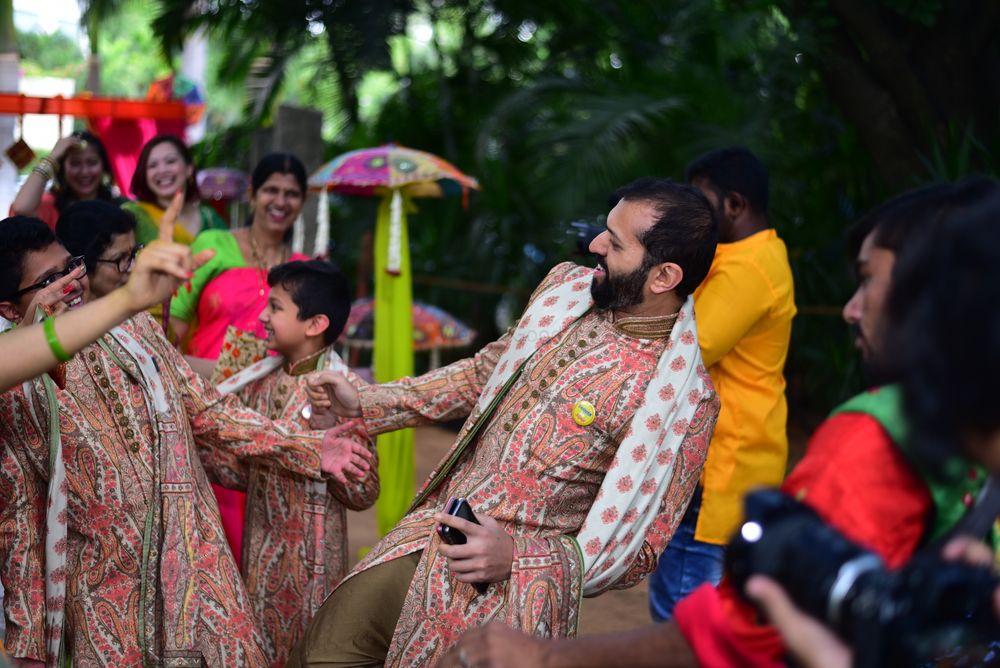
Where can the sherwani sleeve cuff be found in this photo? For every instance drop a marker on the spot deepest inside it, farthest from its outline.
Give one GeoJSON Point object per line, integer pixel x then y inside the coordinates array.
{"type": "Point", "coordinates": [22, 643]}
{"type": "Point", "coordinates": [377, 408]}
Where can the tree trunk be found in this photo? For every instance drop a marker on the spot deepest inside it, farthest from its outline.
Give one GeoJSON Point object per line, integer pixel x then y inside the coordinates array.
{"type": "Point", "coordinates": [910, 90]}
{"type": "Point", "coordinates": [8, 35]}
{"type": "Point", "coordinates": [93, 83]}
{"type": "Point", "coordinates": [874, 114]}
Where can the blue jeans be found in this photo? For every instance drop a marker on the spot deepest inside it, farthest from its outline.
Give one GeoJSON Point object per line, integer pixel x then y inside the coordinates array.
{"type": "Point", "coordinates": [686, 564]}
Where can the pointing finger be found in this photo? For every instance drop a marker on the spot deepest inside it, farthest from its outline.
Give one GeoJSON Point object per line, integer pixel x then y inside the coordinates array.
{"type": "Point", "coordinates": [170, 216]}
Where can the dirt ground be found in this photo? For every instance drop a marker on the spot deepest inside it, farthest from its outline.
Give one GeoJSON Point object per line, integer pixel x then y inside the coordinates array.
{"type": "Point", "coordinates": [613, 611]}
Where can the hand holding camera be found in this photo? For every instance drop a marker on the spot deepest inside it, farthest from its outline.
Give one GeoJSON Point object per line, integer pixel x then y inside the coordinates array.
{"type": "Point", "coordinates": [929, 609]}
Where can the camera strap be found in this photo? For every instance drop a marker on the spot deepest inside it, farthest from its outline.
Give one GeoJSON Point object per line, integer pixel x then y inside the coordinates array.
{"type": "Point", "coordinates": [979, 521]}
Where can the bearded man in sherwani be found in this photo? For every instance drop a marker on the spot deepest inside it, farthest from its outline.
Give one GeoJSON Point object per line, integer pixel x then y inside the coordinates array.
{"type": "Point", "coordinates": [587, 428]}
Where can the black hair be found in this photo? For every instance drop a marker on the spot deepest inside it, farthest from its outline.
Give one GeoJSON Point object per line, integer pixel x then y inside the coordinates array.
{"type": "Point", "coordinates": [87, 228]}
{"type": "Point", "coordinates": [317, 287]}
{"type": "Point", "coordinates": [685, 231]}
{"type": "Point", "coordinates": [733, 170]}
{"type": "Point", "coordinates": [63, 196]}
{"type": "Point", "coordinates": [944, 326]}
{"type": "Point", "coordinates": [278, 163]}
{"type": "Point", "coordinates": [897, 221]}
{"type": "Point", "coordinates": [19, 235]}
{"type": "Point", "coordinates": [140, 184]}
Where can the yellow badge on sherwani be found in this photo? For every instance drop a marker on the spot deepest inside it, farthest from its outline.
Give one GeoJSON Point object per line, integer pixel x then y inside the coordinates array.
{"type": "Point", "coordinates": [583, 412]}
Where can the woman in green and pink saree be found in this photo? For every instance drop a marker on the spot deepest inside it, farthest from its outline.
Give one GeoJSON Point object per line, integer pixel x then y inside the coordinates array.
{"type": "Point", "coordinates": [231, 289]}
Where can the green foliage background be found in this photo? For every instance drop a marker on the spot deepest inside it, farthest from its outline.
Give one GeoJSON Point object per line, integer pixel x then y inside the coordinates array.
{"type": "Point", "coordinates": [553, 105]}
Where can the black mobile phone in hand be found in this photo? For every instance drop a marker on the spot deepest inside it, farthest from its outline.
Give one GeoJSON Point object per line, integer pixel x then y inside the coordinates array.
{"type": "Point", "coordinates": [452, 536]}
{"type": "Point", "coordinates": [458, 508]}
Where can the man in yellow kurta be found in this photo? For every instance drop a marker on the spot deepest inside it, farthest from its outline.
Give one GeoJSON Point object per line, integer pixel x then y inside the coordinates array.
{"type": "Point", "coordinates": [587, 428]}
{"type": "Point", "coordinates": [744, 308]}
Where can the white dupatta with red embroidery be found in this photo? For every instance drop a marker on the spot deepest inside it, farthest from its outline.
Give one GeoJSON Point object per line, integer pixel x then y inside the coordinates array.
{"type": "Point", "coordinates": [330, 361]}
{"type": "Point", "coordinates": [634, 487]}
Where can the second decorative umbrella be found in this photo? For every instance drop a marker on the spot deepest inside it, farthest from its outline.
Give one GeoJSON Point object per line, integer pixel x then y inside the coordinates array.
{"type": "Point", "coordinates": [394, 173]}
{"type": "Point", "coordinates": [433, 328]}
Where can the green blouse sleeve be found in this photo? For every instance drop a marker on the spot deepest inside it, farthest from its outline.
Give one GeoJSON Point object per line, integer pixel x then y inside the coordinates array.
{"type": "Point", "coordinates": [146, 229]}
{"type": "Point", "coordinates": [227, 255]}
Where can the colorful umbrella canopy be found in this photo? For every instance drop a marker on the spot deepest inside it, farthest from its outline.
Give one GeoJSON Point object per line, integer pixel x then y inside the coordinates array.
{"type": "Point", "coordinates": [432, 327]}
{"type": "Point", "coordinates": [395, 174]}
{"type": "Point", "coordinates": [223, 183]}
{"type": "Point", "coordinates": [371, 171]}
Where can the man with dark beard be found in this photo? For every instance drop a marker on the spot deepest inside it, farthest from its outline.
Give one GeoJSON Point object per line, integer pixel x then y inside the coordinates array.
{"type": "Point", "coordinates": [587, 428]}
{"type": "Point", "coordinates": [863, 472]}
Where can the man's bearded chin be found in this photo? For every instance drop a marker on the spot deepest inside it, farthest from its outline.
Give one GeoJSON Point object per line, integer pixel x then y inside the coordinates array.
{"type": "Point", "coordinates": [875, 368]}
{"type": "Point", "coordinates": [618, 292]}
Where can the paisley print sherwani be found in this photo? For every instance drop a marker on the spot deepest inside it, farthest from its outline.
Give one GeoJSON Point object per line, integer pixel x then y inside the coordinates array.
{"type": "Point", "coordinates": [531, 467]}
{"type": "Point", "coordinates": [295, 533]}
{"type": "Point", "coordinates": [150, 579]}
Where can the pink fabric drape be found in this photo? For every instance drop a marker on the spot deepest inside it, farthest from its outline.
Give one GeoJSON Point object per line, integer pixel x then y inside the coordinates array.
{"type": "Point", "coordinates": [124, 138]}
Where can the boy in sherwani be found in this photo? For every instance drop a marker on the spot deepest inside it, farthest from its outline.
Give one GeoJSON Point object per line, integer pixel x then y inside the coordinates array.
{"type": "Point", "coordinates": [295, 534]}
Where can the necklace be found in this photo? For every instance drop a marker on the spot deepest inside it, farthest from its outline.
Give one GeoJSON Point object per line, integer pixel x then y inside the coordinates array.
{"type": "Point", "coordinates": [261, 263]}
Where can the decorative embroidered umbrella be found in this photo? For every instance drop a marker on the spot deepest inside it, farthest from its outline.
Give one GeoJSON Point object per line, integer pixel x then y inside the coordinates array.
{"type": "Point", "coordinates": [433, 328]}
{"type": "Point", "coordinates": [370, 171]}
{"type": "Point", "coordinates": [396, 174]}
{"type": "Point", "coordinates": [387, 170]}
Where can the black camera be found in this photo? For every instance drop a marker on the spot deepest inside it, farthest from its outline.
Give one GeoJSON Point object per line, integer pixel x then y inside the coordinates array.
{"type": "Point", "coordinates": [924, 613]}
{"type": "Point", "coordinates": [583, 232]}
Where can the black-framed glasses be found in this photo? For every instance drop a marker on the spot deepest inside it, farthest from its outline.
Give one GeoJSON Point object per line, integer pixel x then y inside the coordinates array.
{"type": "Point", "coordinates": [73, 263]}
{"type": "Point", "coordinates": [125, 261]}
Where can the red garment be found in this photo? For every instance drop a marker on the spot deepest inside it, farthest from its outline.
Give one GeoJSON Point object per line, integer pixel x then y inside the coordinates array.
{"type": "Point", "coordinates": [855, 477]}
{"type": "Point", "coordinates": [123, 139]}
{"type": "Point", "coordinates": [46, 211]}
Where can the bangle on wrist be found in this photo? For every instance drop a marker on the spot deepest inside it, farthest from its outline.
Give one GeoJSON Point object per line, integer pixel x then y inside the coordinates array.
{"type": "Point", "coordinates": [45, 168]}
{"type": "Point", "coordinates": [42, 172]}
{"type": "Point", "coordinates": [49, 325]}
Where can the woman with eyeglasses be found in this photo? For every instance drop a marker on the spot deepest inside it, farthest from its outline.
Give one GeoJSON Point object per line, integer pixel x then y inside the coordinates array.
{"type": "Point", "coordinates": [104, 235]}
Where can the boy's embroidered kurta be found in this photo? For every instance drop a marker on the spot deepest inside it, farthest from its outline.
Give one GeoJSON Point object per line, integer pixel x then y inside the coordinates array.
{"type": "Point", "coordinates": [295, 537]}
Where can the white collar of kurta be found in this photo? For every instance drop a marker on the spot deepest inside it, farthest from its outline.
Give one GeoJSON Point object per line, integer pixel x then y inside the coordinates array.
{"type": "Point", "coordinates": [330, 361]}
{"type": "Point", "coordinates": [636, 484]}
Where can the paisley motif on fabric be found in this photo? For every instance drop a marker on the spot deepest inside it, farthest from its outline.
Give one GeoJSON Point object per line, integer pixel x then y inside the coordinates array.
{"type": "Point", "coordinates": [539, 473]}
{"type": "Point", "coordinates": [149, 576]}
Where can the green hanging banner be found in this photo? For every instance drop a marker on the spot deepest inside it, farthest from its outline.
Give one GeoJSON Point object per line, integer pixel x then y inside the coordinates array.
{"type": "Point", "coordinates": [392, 357]}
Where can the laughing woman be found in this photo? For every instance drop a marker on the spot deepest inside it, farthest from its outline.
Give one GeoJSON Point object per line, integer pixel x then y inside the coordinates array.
{"type": "Point", "coordinates": [79, 170]}
{"type": "Point", "coordinates": [166, 167]}
{"type": "Point", "coordinates": [231, 288]}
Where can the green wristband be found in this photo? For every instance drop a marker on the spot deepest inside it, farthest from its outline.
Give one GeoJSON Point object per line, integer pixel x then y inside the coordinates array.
{"type": "Point", "coordinates": [50, 335]}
